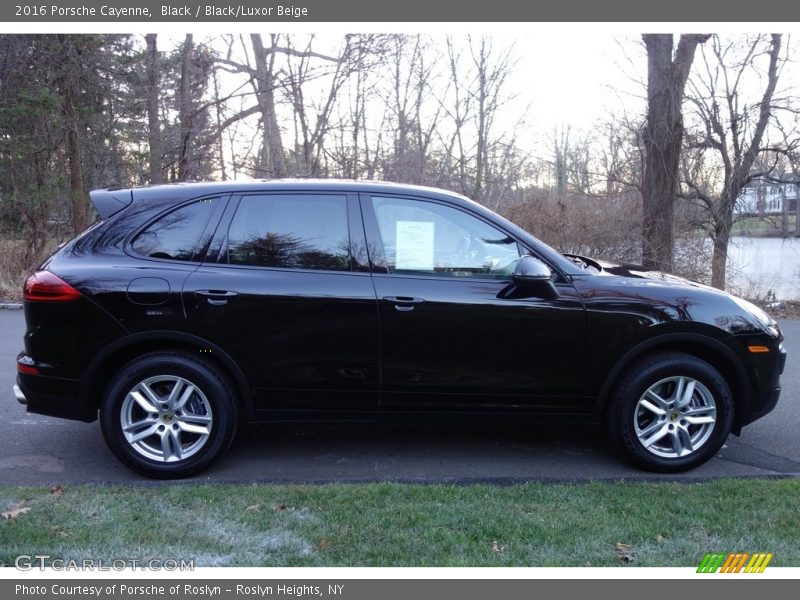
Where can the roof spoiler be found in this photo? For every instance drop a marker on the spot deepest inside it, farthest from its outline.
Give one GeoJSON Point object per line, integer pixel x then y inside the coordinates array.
{"type": "Point", "coordinates": [110, 202]}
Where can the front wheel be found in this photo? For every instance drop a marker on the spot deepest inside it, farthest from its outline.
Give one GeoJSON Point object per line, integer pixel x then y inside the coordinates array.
{"type": "Point", "coordinates": [670, 412]}
{"type": "Point", "coordinates": [168, 415]}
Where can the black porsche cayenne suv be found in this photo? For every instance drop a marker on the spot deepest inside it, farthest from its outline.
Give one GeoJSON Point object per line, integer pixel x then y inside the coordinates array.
{"type": "Point", "coordinates": [190, 308]}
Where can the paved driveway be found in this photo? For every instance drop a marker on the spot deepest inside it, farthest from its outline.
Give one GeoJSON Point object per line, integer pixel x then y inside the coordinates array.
{"type": "Point", "coordinates": [42, 450]}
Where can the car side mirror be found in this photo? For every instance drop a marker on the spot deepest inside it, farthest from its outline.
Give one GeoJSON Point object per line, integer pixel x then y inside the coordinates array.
{"type": "Point", "coordinates": [530, 270]}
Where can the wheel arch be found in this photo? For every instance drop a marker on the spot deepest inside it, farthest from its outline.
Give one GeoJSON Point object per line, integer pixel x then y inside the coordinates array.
{"type": "Point", "coordinates": [712, 351]}
{"type": "Point", "coordinates": [98, 375]}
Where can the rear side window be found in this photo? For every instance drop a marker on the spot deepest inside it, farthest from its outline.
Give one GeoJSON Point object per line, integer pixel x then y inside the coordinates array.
{"type": "Point", "coordinates": [291, 231]}
{"type": "Point", "coordinates": [178, 235]}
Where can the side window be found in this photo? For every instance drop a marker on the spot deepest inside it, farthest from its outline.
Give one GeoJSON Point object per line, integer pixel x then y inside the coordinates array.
{"type": "Point", "coordinates": [291, 231]}
{"type": "Point", "coordinates": [177, 235]}
{"type": "Point", "coordinates": [426, 238]}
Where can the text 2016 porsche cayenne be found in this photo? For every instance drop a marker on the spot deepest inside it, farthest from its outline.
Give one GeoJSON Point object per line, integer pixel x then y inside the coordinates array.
{"type": "Point", "coordinates": [190, 308]}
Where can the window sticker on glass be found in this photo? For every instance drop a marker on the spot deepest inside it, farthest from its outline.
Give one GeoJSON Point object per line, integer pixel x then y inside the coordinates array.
{"type": "Point", "coordinates": [414, 246]}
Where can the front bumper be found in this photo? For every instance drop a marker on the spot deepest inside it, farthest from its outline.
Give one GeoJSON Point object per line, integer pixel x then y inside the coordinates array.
{"type": "Point", "coordinates": [767, 388]}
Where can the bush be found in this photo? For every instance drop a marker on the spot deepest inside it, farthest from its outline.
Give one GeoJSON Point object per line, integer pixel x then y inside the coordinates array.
{"type": "Point", "coordinates": [607, 228]}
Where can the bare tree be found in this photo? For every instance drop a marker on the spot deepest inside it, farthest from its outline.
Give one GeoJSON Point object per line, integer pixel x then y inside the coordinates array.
{"type": "Point", "coordinates": [153, 122]}
{"type": "Point", "coordinates": [411, 116]}
{"type": "Point", "coordinates": [621, 156]}
{"type": "Point", "coordinates": [70, 89]}
{"type": "Point", "coordinates": [790, 139]}
{"type": "Point", "coordinates": [313, 116]}
{"type": "Point", "coordinates": [559, 141]}
{"type": "Point", "coordinates": [195, 145]}
{"type": "Point", "coordinates": [477, 93]}
{"type": "Point", "coordinates": [272, 159]}
{"type": "Point", "coordinates": [730, 139]}
{"type": "Point", "coordinates": [666, 81]}
{"type": "Point", "coordinates": [269, 78]}
{"type": "Point", "coordinates": [185, 112]}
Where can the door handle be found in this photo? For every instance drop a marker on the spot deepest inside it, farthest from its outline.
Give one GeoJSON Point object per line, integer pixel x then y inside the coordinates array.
{"type": "Point", "coordinates": [216, 297]}
{"type": "Point", "coordinates": [403, 303]}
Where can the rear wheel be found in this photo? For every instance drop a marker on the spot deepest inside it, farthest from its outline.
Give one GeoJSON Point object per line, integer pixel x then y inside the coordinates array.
{"type": "Point", "coordinates": [670, 412]}
{"type": "Point", "coordinates": [168, 415]}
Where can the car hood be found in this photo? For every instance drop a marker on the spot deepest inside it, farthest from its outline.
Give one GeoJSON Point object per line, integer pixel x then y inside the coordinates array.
{"type": "Point", "coordinates": [658, 277]}
{"type": "Point", "coordinates": [668, 298]}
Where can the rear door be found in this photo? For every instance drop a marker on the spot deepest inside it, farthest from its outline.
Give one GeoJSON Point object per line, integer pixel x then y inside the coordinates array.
{"type": "Point", "coordinates": [286, 291]}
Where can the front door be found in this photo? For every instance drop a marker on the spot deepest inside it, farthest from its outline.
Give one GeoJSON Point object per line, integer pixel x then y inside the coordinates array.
{"type": "Point", "coordinates": [457, 334]}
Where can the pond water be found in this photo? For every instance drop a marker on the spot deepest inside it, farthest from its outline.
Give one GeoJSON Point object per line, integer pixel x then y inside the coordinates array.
{"type": "Point", "coordinates": [757, 266]}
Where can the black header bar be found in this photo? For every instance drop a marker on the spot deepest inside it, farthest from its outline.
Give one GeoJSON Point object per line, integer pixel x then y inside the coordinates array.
{"type": "Point", "coordinates": [361, 11]}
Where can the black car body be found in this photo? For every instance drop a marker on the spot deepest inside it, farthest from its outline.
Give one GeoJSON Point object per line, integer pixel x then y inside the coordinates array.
{"type": "Point", "coordinates": [298, 300]}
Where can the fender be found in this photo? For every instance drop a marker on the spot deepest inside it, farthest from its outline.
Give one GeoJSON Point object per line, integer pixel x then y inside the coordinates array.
{"type": "Point", "coordinates": [164, 337]}
{"type": "Point", "coordinates": [715, 345]}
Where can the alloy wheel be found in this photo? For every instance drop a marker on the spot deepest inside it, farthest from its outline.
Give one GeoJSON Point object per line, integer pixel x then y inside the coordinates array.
{"type": "Point", "coordinates": [675, 417]}
{"type": "Point", "coordinates": [166, 418]}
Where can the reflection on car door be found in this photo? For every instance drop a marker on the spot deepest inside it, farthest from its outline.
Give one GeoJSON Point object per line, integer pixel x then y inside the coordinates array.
{"type": "Point", "coordinates": [286, 290]}
{"type": "Point", "coordinates": [456, 333]}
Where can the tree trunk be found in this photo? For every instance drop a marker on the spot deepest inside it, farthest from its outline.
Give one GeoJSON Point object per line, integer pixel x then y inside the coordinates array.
{"type": "Point", "coordinates": [153, 121]}
{"type": "Point", "coordinates": [74, 157]}
{"type": "Point", "coordinates": [272, 161]}
{"type": "Point", "coordinates": [723, 224]}
{"type": "Point", "coordinates": [482, 143]}
{"type": "Point", "coordinates": [77, 178]}
{"type": "Point", "coordinates": [784, 213]}
{"type": "Point", "coordinates": [186, 159]}
{"type": "Point", "coordinates": [740, 174]}
{"type": "Point", "coordinates": [666, 80]}
{"type": "Point", "coordinates": [220, 148]}
{"type": "Point", "coordinates": [797, 213]}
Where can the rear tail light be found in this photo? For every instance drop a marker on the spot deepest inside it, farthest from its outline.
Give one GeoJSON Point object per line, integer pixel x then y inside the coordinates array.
{"type": "Point", "coordinates": [26, 365]}
{"type": "Point", "coordinates": [27, 369]}
{"type": "Point", "coordinates": [44, 286]}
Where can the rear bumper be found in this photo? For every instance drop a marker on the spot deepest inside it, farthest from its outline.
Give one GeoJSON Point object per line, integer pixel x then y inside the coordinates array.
{"type": "Point", "coordinates": [52, 396]}
{"type": "Point", "coordinates": [19, 395]}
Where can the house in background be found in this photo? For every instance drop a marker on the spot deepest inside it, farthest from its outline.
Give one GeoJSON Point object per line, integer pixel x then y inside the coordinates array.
{"type": "Point", "coordinates": [764, 197]}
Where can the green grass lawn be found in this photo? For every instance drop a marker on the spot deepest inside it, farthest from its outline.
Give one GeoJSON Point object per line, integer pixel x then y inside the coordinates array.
{"type": "Point", "coordinates": [385, 524]}
{"type": "Point", "coordinates": [768, 226]}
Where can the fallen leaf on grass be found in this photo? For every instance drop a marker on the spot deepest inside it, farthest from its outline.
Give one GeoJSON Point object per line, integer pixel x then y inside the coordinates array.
{"type": "Point", "coordinates": [59, 531]}
{"type": "Point", "coordinates": [323, 544]}
{"type": "Point", "coordinates": [15, 511]}
{"type": "Point", "coordinates": [497, 548]}
{"type": "Point", "coordinates": [660, 539]}
{"type": "Point", "coordinates": [624, 553]}
{"type": "Point", "coordinates": [253, 507]}
{"type": "Point", "coordinates": [57, 490]}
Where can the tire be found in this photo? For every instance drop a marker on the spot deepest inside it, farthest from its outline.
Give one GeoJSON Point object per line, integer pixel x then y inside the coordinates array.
{"type": "Point", "coordinates": [670, 412]}
{"type": "Point", "coordinates": [163, 433]}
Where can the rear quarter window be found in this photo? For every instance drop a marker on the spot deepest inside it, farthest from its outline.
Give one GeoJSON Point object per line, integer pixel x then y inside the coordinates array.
{"type": "Point", "coordinates": [178, 235]}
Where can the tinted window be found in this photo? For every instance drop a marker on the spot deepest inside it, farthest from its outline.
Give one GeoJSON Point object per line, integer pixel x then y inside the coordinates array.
{"type": "Point", "coordinates": [425, 238]}
{"type": "Point", "coordinates": [177, 234]}
{"type": "Point", "coordinates": [292, 231]}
